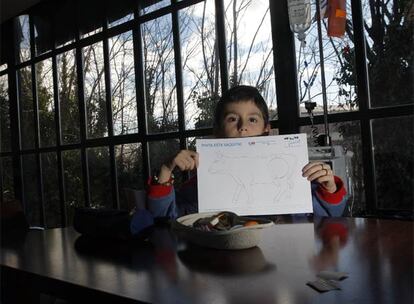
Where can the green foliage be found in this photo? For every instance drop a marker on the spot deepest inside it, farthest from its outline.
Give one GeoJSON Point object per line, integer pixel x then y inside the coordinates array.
{"type": "Point", "coordinates": [26, 108]}
{"type": "Point", "coordinates": [46, 107]}
{"type": "Point", "coordinates": [346, 75]}
{"type": "Point", "coordinates": [389, 52]}
{"type": "Point", "coordinates": [5, 139]}
{"type": "Point", "coordinates": [72, 170]}
{"type": "Point", "coordinates": [394, 150]}
{"type": "Point", "coordinates": [96, 116]}
{"type": "Point", "coordinates": [68, 99]}
{"type": "Point", "coordinates": [206, 102]}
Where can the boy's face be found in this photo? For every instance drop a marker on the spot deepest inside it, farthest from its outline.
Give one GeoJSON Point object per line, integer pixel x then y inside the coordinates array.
{"type": "Point", "coordinates": [243, 119]}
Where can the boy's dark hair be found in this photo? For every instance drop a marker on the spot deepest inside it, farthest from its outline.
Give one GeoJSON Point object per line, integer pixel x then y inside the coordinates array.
{"type": "Point", "coordinates": [238, 94]}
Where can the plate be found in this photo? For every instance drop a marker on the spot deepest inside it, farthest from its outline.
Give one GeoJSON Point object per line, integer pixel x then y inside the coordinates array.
{"type": "Point", "coordinates": [239, 238]}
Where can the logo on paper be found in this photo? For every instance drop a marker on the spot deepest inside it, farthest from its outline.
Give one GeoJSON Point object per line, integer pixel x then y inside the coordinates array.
{"type": "Point", "coordinates": [292, 141]}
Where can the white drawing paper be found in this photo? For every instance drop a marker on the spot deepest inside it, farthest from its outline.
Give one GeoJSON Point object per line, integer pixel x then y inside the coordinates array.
{"type": "Point", "coordinates": [254, 175]}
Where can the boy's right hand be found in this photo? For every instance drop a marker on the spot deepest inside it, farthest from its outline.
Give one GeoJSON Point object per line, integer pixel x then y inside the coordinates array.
{"type": "Point", "coordinates": [185, 160]}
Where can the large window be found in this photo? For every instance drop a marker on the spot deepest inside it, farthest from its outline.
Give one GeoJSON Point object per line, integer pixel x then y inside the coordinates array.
{"type": "Point", "coordinates": [93, 107]}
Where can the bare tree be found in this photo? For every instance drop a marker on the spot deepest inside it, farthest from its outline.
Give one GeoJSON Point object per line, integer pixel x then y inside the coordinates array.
{"type": "Point", "coordinates": [248, 56]}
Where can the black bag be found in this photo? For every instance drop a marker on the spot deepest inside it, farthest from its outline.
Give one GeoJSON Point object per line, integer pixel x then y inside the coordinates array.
{"type": "Point", "coordinates": [102, 223]}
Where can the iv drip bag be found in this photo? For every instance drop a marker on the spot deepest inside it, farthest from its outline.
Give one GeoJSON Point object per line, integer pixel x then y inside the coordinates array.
{"type": "Point", "coordinates": [299, 17]}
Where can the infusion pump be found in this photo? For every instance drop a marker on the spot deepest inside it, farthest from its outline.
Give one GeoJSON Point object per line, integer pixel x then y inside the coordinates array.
{"type": "Point", "coordinates": [338, 159]}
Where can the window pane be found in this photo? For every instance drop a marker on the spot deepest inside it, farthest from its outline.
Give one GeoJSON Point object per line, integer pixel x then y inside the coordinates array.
{"type": "Point", "coordinates": [121, 20]}
{"type": "Point", "coordinates": [339, 63]}
{"type": "Point", "coordinates": [250, 48]}
{"type": "Point", "coordinates": [7, 178]}
{"type": "Point", "coordinates": [129, 164]}
{"type": "Point", "coordinates": [124, 103]}
{"type": "Point", "coordinates": [120, 12]}
{"type": "Point", "coordinates": [42, 30]}
{"type": "Point", "coordinates": [151, 6]}
{"type": "Point", "coordinates": [160, 81]}
{"type": "Point", "coordinates": [191, 142]}
{"type": "Point", "coordinates": [46, 103]}
{"type": "Point", "coordinates": [51, 190]}
{"type": "Point", "coordinates": [100, 177]}
{"type": "Point", "coordinates": [64, 25]}
{"type": "Point", "coordinates": [31, 194]}
{"type": "Point", "coordinates": [90, 15]}
{"type": "Point", "coordinates": [389, 37]}
{"type": "Point", "coordinates": [347, 162]}
{"type": "Point", "coordinates": [161, 151]}
{"type": "Point", "coordinates": [393, 141]}
{"type": "Point", "coordinates": [22, 36]}
{"type": "Point", "coordinates": [68, 97]}
{"type": "Point", "coordinates": [27, 125]}
{"type": "Point", "coordinates": [5, 143]}
{"type": "Point", "coordinates": [72, 168]}
{"type": "Point", "coordinates": [201, 69]}
{"type": "Point", "coordinates": [95, 99]}
{"type": "Point", "coordinates": [191, 145]}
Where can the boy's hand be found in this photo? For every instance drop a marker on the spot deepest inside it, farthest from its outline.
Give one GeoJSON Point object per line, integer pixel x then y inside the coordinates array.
{"type": "Point", "coordinates": [185, 160]}
{"type": "Point", "coordinates": [321, 173]}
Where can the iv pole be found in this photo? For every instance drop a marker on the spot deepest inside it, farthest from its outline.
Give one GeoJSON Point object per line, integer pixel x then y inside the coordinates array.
{"type": "Point", "coordinates": [327, 138]}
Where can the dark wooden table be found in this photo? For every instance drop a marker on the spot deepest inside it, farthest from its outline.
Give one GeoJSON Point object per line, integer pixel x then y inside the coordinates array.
{"type": "Point", "coordinates": [377, 254]}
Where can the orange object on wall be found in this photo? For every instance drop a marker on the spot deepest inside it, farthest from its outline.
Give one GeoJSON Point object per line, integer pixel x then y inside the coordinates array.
{"type": "Point", "coordinates": [336, 18]}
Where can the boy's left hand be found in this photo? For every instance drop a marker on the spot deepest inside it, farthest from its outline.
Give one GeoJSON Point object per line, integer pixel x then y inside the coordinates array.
{"type": "Point", "coordinates": [321, 173]}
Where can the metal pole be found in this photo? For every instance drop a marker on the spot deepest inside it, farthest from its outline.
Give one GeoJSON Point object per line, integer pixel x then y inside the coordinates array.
{"type": "Point", "coordinates": [327, 139]}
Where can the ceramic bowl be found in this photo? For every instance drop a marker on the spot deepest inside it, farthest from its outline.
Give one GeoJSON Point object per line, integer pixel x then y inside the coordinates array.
{"type": "Point", "coordinates": [240, 238]}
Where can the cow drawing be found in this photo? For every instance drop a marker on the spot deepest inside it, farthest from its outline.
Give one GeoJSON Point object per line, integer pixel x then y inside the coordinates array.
{"type": "Point", "coordinates": [257, 175]}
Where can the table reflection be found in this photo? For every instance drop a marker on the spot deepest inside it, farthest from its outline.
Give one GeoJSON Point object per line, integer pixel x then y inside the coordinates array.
{"type": "Point", "coordinates": [333, 234]}
{"type": "Point", "coordinates": [225, 262]}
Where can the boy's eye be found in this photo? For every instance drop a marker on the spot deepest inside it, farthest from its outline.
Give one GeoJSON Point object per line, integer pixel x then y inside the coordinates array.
{"type": "Point", "coordinates": [253, 120]}
{"type": "Point", "coordinates": [231, 118]}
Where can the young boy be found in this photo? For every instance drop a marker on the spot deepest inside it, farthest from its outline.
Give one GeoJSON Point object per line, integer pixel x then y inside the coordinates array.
{"type": "Point", "coordinates": [240, 112]}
